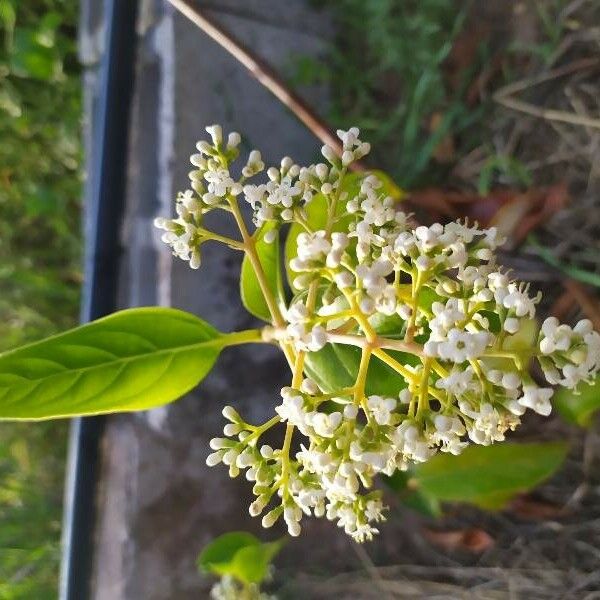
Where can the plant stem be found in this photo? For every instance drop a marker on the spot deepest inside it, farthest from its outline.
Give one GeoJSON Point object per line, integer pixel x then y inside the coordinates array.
{"type": "Point", "coordinates": [332, 208]}
{"type": "Point", "coordinates": [249, 247]}
{"type": "Point", "coordinates": [391, 362]}
{"type": "Point", "coordinates": [361, 381]}
{"type": "Point", "coordinates": [376, 342]}
{"type": "Point", "coordinates": [247, 336]}
{"type": "Point", "coordinates": [258, 431]}
{"type": "Point", "coordinates": [250, 250]}
{"type": "Point", "coordinates": [416, 288]}
{"type": "Point", "coordinates": [211, 235]}
{"type": "Point", "coordinates": [424, 387]}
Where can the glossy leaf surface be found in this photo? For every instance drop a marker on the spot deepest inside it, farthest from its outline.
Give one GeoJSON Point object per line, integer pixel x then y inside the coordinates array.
{"type": "Point", "coordinates": [135, 359]}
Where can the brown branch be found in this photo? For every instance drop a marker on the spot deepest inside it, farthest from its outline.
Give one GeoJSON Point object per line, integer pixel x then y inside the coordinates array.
{"type": "Point", "coordinates": [264, 73]}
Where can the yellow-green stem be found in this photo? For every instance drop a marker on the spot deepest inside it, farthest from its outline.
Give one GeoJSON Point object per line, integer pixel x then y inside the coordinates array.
{"type": "Point", "coordinates": [360, 398]}
{"type": "Point", "coordinates": [424, 387]}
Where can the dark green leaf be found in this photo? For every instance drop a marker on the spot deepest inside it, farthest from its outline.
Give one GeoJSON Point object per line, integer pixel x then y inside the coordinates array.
{"type": "Point", "coordinates": [580, 407]}
{"type": "Point", "coordinates": [400, 482]}
{"type": "Point", "coordinates": [132, 360]}
{"type": "Point", "coordinates": [488, 476]}
{"type": "Point", "coordinates": [252, 296]}
{"type": "Point", "coordinates": [336, 366]}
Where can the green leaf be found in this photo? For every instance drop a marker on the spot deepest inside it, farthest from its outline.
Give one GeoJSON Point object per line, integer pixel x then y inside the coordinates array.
{"type": "Point", "coordinates": [580, 407]}
{"type": "Point", "coordinates": [400, 482]}
{"type": "Point", "coordinates": [31, 59]}
{"type": "Point", "coordinates": [268, 254]}
{"type": "Point", "coordinates": [488, 476]}
{"type": "Point", "coordinates": [251, 564]}
{"type": "Point", "coordinates": [316, 218]}
{"type": "Point", "coordinates": [132, 360]}
{"type": "Point", "coordinates": [217, 557]}
{"type": "Point", "coordinates": [336, 366]}
{"type": "Point", "coordinates": [8, 15]}
{"type": "Point", "coordinates": [239, 554]}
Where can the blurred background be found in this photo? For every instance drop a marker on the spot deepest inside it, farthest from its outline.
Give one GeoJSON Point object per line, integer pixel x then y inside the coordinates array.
{"type": "Point", "coordinates": [486, 110]}
{"type": "Point", "coordinates": [40, 266]}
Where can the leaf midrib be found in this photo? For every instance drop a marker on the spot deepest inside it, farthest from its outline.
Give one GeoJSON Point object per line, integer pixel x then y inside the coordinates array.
{"type": "Point", "coordinates": [221, 340]}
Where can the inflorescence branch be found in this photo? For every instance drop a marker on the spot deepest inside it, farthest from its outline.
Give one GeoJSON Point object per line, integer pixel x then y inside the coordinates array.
{"type": "Point", "coordinates": [428, 305]}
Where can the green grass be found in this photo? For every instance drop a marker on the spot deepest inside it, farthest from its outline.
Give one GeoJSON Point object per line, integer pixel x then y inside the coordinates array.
{"type": "Point", "coordinates": [31, 476]}
{"type": "Point", "coordinates": [40, 185]}
{"type": "Point", "coordinates": [387, 78]}
{"type": "Point", "coordinates": [389, 74]}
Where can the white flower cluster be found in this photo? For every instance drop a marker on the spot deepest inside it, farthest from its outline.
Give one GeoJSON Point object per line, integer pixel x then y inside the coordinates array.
{"type": "Point", "coordinates": [230, 589]}
{"type": "Point", "coordinates": [277, 199]}
{"type": "Point", "coordinates": [325, 478]}
{"type": "Point", "coordinates": [211, 184]}
{"type": "Point", "coordinates": [569, 356]}
{"type": "Point", "coordinates": [428, 303]}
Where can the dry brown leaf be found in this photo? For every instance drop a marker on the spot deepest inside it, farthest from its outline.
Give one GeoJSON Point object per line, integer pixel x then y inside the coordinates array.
{"type": "Point", "coordinates": [474, 539]}
{"type": "Point", "coordinates": [514, 213]}
{"type": "Point", "coordinates": [527, 507]}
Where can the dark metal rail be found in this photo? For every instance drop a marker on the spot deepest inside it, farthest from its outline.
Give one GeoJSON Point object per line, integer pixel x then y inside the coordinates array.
{"type": "Point", "coordinates": [105, 202]}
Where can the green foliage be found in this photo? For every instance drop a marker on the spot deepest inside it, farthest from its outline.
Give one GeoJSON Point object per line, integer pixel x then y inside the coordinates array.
{"type": "Point", "coordinates": [506, 165]}
{"type": "Point", "coordinates": [572, 271]}
{"type": "Point", "coordinates": [486, 476]}
{"type": "Point", "coordinates": [40, 184]}
{"type": "Point", "coordinates": [386, 73]}
{"type": "Point", "coordinates": [31, 475]}
{"type": "Point", "coordinates": [40, 158]}
{"type": "Point", "coordinates": [335, 367]}
{"type": "Point", "coordinates": [132, 360]}
{"type": "Point", "coordinates": [270, 259]}
{"type": "Point", "coordinates": [240, 555]}
{"type": "Point", "coordinates": [579, 408]}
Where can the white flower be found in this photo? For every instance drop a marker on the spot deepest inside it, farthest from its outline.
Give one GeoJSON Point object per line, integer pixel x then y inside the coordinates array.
{"type": "Point", "coordinates": [458, 382]}
{"type": "Point", "coordinates": [282, 192]}
{"type": "Point", "coordinates": [537, 399]}
{"type": "Point", "coordinates": [292, 408]}
{"type": "Point", "coordinates": [363, 532]}
{"type": "Point", "coordinates": [518, 300]}
{"type": "Point", "coordinates": [324, 424]}
{"type": "Point", "coordinates": [460, 346]}
{"type": "Point", "coordinates": [313, 246]}
{"type": "Point", "coordinates": [219, 182]}
{"type": "Point", "coordinates": [254, 194]}
{"type": "Point", "coordinates": [373, 276]}
{"type": "Point", "coordinates": [487, 426]}
{"type": "Point", "coordinates": [511, 325]}
{"type": "Point", "coordinates": [370, 285]}
{"type": "Point", "coordinates": [381, 408]}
